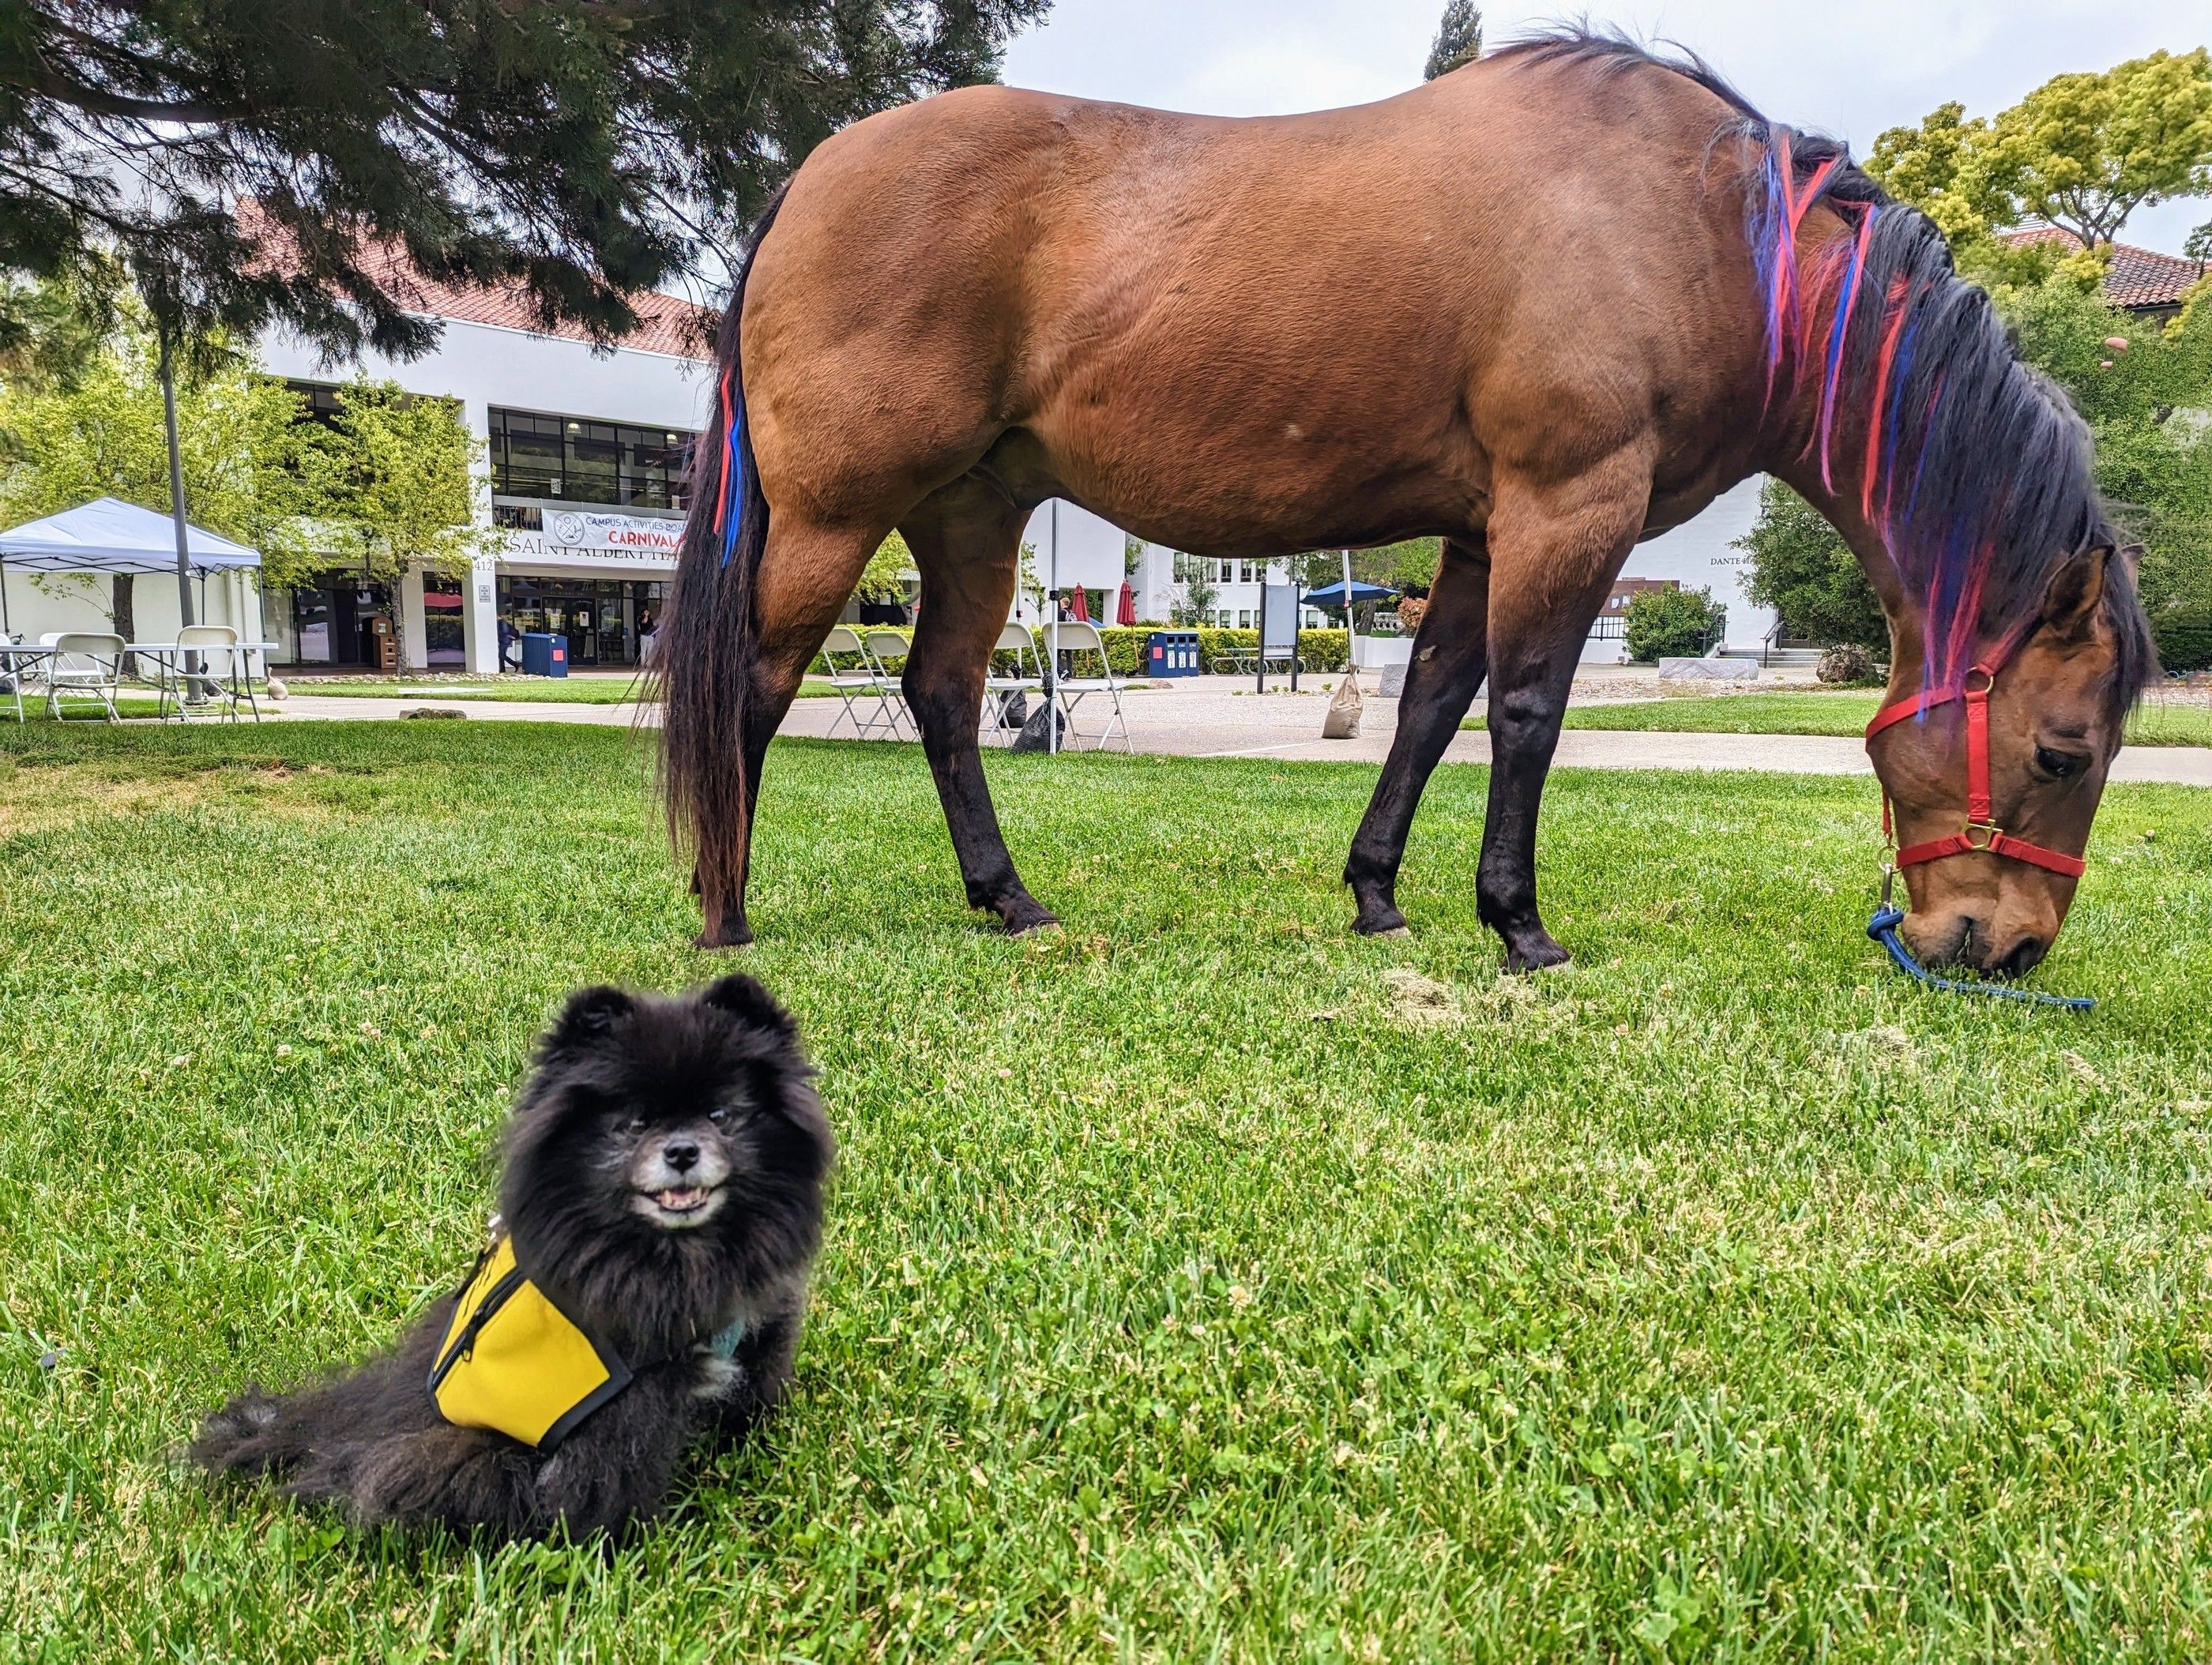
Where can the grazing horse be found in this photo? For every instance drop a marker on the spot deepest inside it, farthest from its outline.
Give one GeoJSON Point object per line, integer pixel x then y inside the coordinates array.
{"type": "Point", "coordinates": [1544, 306]}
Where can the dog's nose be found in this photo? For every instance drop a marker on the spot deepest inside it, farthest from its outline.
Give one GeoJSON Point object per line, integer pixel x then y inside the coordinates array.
{"type": "Point", "coordinates": [681, 1154]}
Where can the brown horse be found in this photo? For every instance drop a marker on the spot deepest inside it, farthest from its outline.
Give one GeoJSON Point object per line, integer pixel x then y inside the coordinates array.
{"type": "Point", "coordinates": [1544, 306]}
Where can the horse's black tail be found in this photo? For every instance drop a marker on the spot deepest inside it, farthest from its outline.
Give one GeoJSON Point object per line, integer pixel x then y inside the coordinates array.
{"type": "Point", "coordinates": [705, 647]}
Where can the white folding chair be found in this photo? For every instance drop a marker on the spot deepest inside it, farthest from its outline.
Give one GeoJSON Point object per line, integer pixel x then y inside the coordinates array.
{"type": "Point", "coordinates": [1006, 692]}
{"type": "Point", "coordinates": [85, 665]}
{"type": "Point", "coordinates": [1079, 641]}
{"type": "Point", "coordinates": [222, 678]}
{"type": "Point", "coordinates": [884, 646]}
{"type": "Point", "coordinates": [848, 685]}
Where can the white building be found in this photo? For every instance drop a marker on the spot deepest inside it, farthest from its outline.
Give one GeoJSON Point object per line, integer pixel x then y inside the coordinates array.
{"type": "Point", "coordinates": [584, 451]}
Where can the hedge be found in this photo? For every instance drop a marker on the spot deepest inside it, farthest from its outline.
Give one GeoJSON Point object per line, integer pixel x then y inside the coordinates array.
{"type": "Point", "coordinates": [1318, 650]}
{"type": "Point", "coordinates": [2184, 639]}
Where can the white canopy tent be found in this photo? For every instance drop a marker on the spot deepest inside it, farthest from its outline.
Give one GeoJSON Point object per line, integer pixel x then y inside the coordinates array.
{"type": "Point", "coordinates": [110, 535]}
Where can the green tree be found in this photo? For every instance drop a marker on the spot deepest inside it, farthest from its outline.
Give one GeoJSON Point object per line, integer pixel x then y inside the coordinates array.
{"type": "Point", "coordinates": [582, 148]}
{"type": "Point", "coordinates": [883, 579]}
{"type": "Point", "coordinates": [1942, 168]}
{"type": "Point", "coordinates": [1672, 623]}
{"type": "Point", "coordinates": [2083, 151]}
{"type": "Point", "coordinates": [1801, 569]}
{"type": "Point", "coordinates": [390, 484]}
{"type": "Point", "coordinates": [1195, 593]}
{"type": "Point", "coordinates": [1459, 39]}
{"type": "Point", "coordinates": [97, 432]}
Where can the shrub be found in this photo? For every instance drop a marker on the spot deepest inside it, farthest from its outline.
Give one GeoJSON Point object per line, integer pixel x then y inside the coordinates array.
{"type": "Point", "coordinates": [1672, 623]}
{"type": "Point", "coordinates": [2184, 638]}
{"type": "Point", "coordinates": [1848, 666]}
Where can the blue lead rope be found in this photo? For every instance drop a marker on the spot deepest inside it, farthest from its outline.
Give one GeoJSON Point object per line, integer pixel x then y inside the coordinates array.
{"type": "Point", "coordinates": [1882, 927]}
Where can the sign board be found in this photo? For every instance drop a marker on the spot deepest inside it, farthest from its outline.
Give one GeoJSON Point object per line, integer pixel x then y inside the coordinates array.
{"type": "Point", "coordinates": [576, 537]}
{"type": "Point", "coordinates": [1279, 618]}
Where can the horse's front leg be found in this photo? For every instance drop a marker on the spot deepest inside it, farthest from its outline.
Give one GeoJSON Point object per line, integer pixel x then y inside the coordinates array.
{"type": "Point", "coordinates": [966, 540]}
{"type": "Point", "coordinates": [1556, 550]}
{"type": "Point", "coordinates": [1449, 655]}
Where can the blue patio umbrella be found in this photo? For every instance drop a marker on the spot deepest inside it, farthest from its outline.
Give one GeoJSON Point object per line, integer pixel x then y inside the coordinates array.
{"type": "Point", "coordinates": [1331, 596]}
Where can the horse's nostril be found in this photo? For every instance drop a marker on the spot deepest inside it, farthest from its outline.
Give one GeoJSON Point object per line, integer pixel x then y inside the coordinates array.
{"type": "Point", "coordinates": [2025, 955]}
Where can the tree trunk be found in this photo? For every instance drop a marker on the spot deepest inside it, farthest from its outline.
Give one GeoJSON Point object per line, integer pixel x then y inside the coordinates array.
{"type": "Point", "coordinates": [120, 608]}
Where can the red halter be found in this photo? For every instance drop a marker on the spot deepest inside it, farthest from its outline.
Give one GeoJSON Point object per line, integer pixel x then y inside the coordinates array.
{"type": "Point", "coordinates": [1981, 831]}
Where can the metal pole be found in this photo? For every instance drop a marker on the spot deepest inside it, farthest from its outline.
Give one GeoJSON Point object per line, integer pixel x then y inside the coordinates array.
{"type": "Point", "coordinates": [1351, 641]}
{"type": "Point", "coordinates": [185, 621]}
{"type": "Point", "coordinates": [4, 625]}
{"type": "Point", "coordinates": [1051, 634]}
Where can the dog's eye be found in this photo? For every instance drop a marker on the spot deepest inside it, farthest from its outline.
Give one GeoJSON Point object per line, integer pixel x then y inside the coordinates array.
{"type": "Point", "coordinates": [717, 1116]}
{"type": "Point", "coordinates": [633, 1125]}
{"type": "Point", "coordinates": [2059, 765]}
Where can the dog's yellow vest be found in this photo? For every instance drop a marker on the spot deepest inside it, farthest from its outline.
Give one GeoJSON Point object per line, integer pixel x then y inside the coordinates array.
{"type": "Point", "coordinates": [514, 1362]}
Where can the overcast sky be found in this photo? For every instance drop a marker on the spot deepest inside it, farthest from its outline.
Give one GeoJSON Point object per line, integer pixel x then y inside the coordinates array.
{"type": "Point", "coordinates": [1848, 67]}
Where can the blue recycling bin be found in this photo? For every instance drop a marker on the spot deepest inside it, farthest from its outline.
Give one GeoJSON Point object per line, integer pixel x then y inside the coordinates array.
{"type": "Point", "coordinates": [544, 655]}
{"type": "Point", "coordinates": [1171, 654]}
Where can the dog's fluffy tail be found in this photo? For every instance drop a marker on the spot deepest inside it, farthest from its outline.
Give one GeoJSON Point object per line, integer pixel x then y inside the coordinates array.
{"type": "Point", "coordinates": [257, 1433]}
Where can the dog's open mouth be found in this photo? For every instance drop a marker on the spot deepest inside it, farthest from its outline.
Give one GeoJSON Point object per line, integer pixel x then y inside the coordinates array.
{"type": "Point", "coordinates": [679, 1205]}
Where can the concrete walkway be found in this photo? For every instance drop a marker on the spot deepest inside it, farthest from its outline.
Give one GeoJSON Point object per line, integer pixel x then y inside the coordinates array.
{"type": "Point", "coordinates": [1206, 718]}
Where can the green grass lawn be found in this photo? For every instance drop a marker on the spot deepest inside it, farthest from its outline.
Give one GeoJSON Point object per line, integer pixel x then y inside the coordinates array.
{"type": "Point", "coordinates": [2154, 723]}
{"type": "Point", "coordinates": [1188, 1293]}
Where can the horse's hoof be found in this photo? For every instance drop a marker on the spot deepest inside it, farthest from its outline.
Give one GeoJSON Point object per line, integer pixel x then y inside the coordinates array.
{"type": "Point", "coordinates": [1383, 921]}
{"type": "Point", "coordinates": [1027, 918]}
{"type": "Point", "coordinates": [1534, 952]}
{"type": "Point", "coordinates": [737, 934]}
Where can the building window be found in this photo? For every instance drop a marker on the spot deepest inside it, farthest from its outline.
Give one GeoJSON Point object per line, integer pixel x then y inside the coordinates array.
{"type": "Point", "coordinates": [573, 460]}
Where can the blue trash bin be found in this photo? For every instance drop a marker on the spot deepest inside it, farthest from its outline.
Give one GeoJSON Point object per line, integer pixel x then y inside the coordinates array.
{"type": "Point", "coordinates": [544, 655]}
{"type": "Point", "coordinates": [1171, 654]}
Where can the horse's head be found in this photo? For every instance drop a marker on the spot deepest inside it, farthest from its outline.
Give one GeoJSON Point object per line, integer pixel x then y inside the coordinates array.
{"type": "Point", "coordinates": [2054, 712]}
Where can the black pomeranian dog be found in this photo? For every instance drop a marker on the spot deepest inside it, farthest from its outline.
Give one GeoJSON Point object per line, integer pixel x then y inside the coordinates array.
{"type": "Point", "coordinates": [644, 1286]}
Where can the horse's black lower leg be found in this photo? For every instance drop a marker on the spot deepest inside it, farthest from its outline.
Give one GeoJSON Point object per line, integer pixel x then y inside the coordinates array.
{"type": "Point", "coordinates": [1450, 654]}
{"type": "Point", "coordinates": [1556, 546]}
{"type": "Point", "coordinates": [965, 540]}
{"type": "Point", "coordinates": [1526, 706]}
{"type": "Point", "coordinates": [947, 710]}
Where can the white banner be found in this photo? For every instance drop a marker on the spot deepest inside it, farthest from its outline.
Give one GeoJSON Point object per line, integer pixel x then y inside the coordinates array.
{"type": "Point", "coordinates": [572, 538]}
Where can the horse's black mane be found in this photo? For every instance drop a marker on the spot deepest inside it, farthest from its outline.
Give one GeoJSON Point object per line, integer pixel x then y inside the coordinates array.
{"type": "Point", "coordinates": [1980, 478]}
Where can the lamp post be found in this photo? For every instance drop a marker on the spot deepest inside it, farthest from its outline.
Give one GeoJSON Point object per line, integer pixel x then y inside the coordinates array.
{"type": "Point", "coordinates": [193, 690]}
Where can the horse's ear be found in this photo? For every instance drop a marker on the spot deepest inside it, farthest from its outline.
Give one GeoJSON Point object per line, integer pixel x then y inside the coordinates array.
{"type": "Point", "coordinates": [2070, 604]}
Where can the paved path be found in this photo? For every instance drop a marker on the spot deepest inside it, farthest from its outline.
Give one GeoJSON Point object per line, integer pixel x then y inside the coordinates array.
{"type": "Point", "coordinates": [1201, 718]}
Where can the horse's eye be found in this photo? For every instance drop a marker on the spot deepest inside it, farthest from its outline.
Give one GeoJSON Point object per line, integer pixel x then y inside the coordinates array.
{"type": "Point", "coordinates": [2059, 765]}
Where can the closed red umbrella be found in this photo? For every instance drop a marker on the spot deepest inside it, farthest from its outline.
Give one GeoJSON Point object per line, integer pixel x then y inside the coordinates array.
{"type": "Point", "coordinates": [1078, 604]}
{"type": "Point", "coordinates": [1126, 614]}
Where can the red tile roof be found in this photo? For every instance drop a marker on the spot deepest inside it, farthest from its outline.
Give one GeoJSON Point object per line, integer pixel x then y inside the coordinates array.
{"type": "Point", "coordinates": [666, 323]}
{"type": "Point", "coordinates": [2137, 278]}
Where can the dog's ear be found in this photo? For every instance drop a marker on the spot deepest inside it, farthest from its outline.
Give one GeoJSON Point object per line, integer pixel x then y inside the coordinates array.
{"type": "Point", "coordinates": [744, 998]}
{"type": "Point", "coordinates": [590, 1015]}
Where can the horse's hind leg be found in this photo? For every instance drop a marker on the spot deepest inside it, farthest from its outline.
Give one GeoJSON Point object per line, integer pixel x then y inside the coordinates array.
{"type": "Point", "coordinates": [806, 575]}
{"type": "Point", "coordinates": [966, 540]}
{"type": "Point", "coordinates": [1555, 549]}
{"type": "Point", "coordinates": [1449, 655]}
